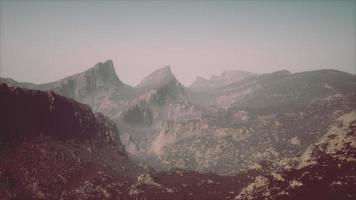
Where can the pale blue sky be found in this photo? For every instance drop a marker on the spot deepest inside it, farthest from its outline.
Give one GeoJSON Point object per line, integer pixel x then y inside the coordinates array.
{"type": "Point", "coordinates": [42, 41]}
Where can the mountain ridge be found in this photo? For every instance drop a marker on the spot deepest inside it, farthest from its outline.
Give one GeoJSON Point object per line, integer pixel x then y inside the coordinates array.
{"type": "Point", "coordinates": [249, 132]}
{"type": "Point", "coordinates": [216, 81]}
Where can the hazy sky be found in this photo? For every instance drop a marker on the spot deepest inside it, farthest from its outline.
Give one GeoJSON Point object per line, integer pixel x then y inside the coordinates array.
{"type": "Point", "coordinates": [43, 41]}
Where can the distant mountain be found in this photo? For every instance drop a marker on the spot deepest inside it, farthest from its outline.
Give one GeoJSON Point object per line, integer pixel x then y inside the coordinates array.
{"type": "Point", "coordinates": [226, 78]}
{"type": "Point", "coordinates": [270, 117]}
{"type": "Point", "coordinates": [100, 76]}
{"type": "Point", "coordinates": [161, 97]}
{"type": "Point", "coordinates": [265, 90]}
{"type": "Point", "coordinates": [283, 91]}
{"type": "Point", "coordinates": [159, 92]}
{"type": "Point", "coordinates": [165, 84]}
{"type": "Point", "coordinates": [99, 87]}
{"type": "Point", "coordinates": [157, 78]}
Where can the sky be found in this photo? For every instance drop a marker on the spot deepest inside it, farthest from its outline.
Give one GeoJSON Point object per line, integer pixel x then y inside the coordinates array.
{"type": "Point", "coordinates": [43, 41]}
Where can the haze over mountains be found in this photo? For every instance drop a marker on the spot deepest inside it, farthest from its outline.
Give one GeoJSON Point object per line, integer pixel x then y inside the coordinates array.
{"type": "Point", "coordinates": [262, 130]}
{"type": "Point", "coordinates": [226, 78]}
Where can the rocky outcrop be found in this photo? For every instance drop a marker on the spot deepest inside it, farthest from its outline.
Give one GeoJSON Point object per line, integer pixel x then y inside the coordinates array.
{"type": "Point", "coordinates": [326, 170]}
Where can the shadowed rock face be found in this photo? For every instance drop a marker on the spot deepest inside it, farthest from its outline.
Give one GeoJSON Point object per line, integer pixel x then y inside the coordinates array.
{"type": "Point", "coordinates": [51, 147]}
{"type": "Point", "coordinates": [27, 113]}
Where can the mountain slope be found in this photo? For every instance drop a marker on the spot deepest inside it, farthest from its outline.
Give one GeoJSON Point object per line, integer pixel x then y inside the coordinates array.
{"type": "Point", "coordinates": [99, 87]}
{"type": "Point", "coordinates": [283, 115]}
{"type": "Point", "coordinates": [165, 83]}
{"type": "Point", "coordinates": [326, 170]}
{"type": "Point", "coordinates": [51, 147]}
{"type": "Point", "coordinates": [283, 91]}
{"type": "Point", "coordinates": [159, 77]}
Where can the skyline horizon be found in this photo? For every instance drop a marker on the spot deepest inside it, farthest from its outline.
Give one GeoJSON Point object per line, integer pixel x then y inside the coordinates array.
{"type": "Point", "coordinates": [117, 72]}
{"type": "Point", "coordinates": [41, 41]}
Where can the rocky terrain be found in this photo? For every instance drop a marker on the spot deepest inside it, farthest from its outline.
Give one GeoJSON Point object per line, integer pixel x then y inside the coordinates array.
{"type": "Point", "coordinates": [52, 147]}
{"type": "Point", "coordinates": [326, 170]}
{"type": "Point", "coordinates": [55, 148]}
{"type": "Point", "coordinates": [239, 135]}
{"type": "Point", "coordinates": [281, 117]}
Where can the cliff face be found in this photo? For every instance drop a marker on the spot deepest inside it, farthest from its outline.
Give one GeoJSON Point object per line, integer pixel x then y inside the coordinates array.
{"type": "Point", "coordinates": [27, 113]}
{"type": "Point", "coordinates": [52, 147]}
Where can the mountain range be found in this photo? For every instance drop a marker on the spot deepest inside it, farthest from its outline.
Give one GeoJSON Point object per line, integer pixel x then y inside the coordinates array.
{"type": "Point", "coordinates": [250, 131]}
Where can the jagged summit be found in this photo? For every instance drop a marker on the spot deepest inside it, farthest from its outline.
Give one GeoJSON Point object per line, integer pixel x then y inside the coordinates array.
{"type": "Point", "coordinates": [101, 74]}
{"type": "Point", "coordinates": [106, 66]}
{"type": "Point", "coordinates": [166, 68]}
{"type": "Point", "coordinates": [104, 71]}
{"type": "Point", "coordinates": [158, 78]}
{"type": "Point", "coordinates": [92, 85]}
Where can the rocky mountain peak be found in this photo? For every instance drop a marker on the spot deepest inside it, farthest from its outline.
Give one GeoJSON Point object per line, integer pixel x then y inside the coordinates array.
{"type": "Point", "coordinates": [166, 69]}
{"type": "Point", "coordinates": [104, 70]}
{"type": "Point", "coordinates": [158, 78]}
